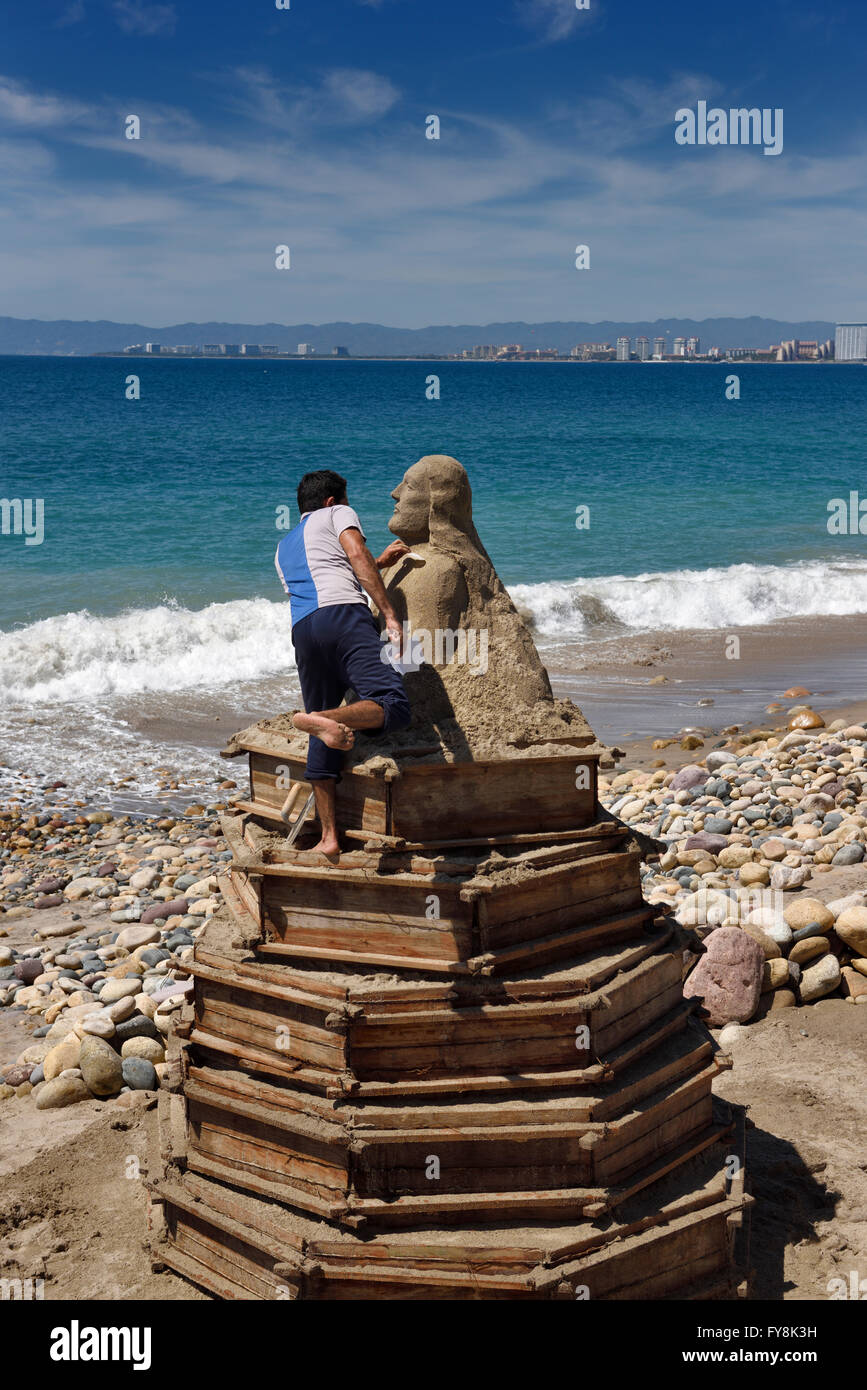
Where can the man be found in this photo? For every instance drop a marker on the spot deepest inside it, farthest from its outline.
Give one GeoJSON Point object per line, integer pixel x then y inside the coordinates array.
{"type": "Point", "coordinates": [325, 567]}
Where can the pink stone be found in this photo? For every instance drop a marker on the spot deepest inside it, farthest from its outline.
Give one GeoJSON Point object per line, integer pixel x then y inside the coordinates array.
{"type": "Point", "coordinates": [728, 977]}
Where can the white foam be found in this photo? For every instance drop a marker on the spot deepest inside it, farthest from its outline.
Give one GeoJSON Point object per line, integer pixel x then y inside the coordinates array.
{"type": "Point", "coordinates": [679, 600]}
{"type": "Point", "coordinates": [80, 656]}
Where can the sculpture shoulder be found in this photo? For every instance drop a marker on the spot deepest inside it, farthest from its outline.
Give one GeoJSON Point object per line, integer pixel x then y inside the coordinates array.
{"type": "Point", "coordinates": [435, 593]}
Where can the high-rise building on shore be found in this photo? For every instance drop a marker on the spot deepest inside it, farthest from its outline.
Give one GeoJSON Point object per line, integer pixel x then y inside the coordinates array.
{"type": "Point", "coordinates": [659, 347]}
{"type": "Point", "coordinates": [306, 350]}
{"type": "Point", "coordinates": [249, 349]}
{"type": "Point", "coordinates": [679, 347]}
{"type": "Point", "coordinates": [692, 346]}
{"type": "Point", "coordinates": [623, 346]}
{"type": "Point", "coordinates": [155, 348]}
{"type": "Point", "coordinates": [850, 342]}
{"type": "Point", "coordinates": [642, 349]}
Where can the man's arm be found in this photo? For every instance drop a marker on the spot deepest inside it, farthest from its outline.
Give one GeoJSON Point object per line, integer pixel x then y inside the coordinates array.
{"type": "Point", "coordinates": [368, 576]}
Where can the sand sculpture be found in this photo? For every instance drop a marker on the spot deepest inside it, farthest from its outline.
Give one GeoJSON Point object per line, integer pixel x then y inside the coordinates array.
{"type": "Point", "coordinates": [458, 1063]}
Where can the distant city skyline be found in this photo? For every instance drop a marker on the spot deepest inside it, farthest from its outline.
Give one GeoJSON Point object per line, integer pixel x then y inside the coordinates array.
{"type": "Point", "coordinates": [307, 128]}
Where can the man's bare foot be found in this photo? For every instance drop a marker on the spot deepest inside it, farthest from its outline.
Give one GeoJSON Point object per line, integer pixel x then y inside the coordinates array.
{"type": "Point", "coordinates": [334, 734]}
{"type": "Point", "coordinates": [326, 846]}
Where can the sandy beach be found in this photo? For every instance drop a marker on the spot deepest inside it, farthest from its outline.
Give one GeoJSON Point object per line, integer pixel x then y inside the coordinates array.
{"type": "Point", "coordinates": [73, 1217]}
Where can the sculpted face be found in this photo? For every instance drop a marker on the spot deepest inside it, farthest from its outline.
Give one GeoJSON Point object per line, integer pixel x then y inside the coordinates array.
{"type": "Point", "coordinates": [411, 518]}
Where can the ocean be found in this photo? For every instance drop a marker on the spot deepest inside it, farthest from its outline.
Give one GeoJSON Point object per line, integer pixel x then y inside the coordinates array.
{"type": "Point", "coordinates": [151, 611]}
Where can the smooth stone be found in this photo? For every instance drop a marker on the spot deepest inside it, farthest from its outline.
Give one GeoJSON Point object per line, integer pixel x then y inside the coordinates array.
{"type": "Point", "coordinates": [808, 948]}
{"type": "Point", "coordinates": [17, 1074]}
{"type": "Point", "coordinates": [174, 990]}
{"type": "Point", "coordinates": [100, 1026]}
{"type": "Point", "coordinates": [136, 1027]}
{"type": "Point", "coordinates": [689, 776]}
{"type": "Point", "coordinates": [811, 929]}
{"type": "Point", "coordinates": [728, 977]}
{"type": "Point", "coordinates": [29, 970]}
{"type": "Point", "coordinates": [820, 979]}
{"type": "Point", "coordinates": [852, 853]}
{"type": "Point", "coordinates": [775, 974]}
{"type": "Point", "coordinates": [144, 878]}
{"type": "Point", "coordinates": [64, 1055]}
{"type": "Point", "coordinates": [82, 887]}
{"type": "Point", "coordinates": [122, 1008]}
{"type": "Point", "coordinates": [113, 990]}
{"type": "Point", "coordinates": [176, 907]}
{"type": "Point", "coordinates": [783, 999]}
{"type": "Point", "coordinates": [718, 825]}
{"type": "Point", "coordinates": [769, 947]}
{"type": "Point", "coordinates": [855, 983]}
{"type": "Point", "coordinates": [732, 1033]}
{"type": "Point", "coordinates": [149, 1048]}
{"type": "Point", "coordinates": [60, 1092]}
{"type": "Point", "coordinates": [154, 955]}
{"type": "Point", "coordinates": [804, 910]}
{"type": "Point", "coordinates": [733, 856]}
{"type": "Point", "coordinates": [707, 907]}
{"type": "Point", "coordinates": [100, 1066]}
{"type": "Point", "coordinates": [704, 841]}
{"type": "Point", "coordinates": [37, 1074]}
{"type": "Point", "coordinates": [851, 927]}
{"type": "Point", "coordinates": [786, 879]}
{"type": "Point", "coordinates": [138, 1073]}
{"type": "Point", "coordinates": [140, 934]}
{"type": "Point", "coordinates": [807, 719]}
{"type": "Point", "coordinates": [753, 875]}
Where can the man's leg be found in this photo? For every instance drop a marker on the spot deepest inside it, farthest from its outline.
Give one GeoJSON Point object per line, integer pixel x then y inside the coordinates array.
{"type": "Point", "coordinates": [321, 683]}
{"type": "Point", "coordinates": [324, 790]}
{"type": "Point", "coordinates": [335, 726]}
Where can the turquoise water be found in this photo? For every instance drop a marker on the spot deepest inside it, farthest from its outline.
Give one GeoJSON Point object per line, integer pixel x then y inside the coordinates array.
{"type": "Point", "coordinates": [173, 497]}
{"type": "Point", "coordinates": [150, 621]}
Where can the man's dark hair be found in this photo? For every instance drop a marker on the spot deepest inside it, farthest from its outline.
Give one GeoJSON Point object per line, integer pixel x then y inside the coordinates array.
{"type": "Point", "coordinates": [315, 489]}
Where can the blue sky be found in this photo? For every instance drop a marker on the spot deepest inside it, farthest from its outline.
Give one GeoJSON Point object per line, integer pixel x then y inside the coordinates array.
{"type": "Point", "coordinates": [306, 127]}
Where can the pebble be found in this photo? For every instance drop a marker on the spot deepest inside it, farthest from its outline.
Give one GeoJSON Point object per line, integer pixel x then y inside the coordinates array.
{"type": "Point", "coordinates": [113, 990]}
{"type": "Point", "coordinates": [139, 1026]}
{"type": "Point", "coordinates": [99, 1026]}
{"type": "Point", "coordinates": [851, 927]}
{"type": "Point", "coordinates": [138, 1073]}
{"type": "Point", "coordinates": [808, 948]}
{"type": "Point", "coordinates": [62, 1056]}
{"type": "Point", "coordinates": [63, 1091]}
{"type": "Point", "coordinates": [100, 1066]}
{"type": "Point", "coordinates": [148, 1048]}
{"type": "Point", "coordinates": [820, 979]}
{"type": "Point", "coordinates": [139, 934]}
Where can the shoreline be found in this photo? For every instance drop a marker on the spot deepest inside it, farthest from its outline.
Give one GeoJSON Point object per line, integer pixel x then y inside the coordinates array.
{"type": "Point", "coordinates": [632, 687]}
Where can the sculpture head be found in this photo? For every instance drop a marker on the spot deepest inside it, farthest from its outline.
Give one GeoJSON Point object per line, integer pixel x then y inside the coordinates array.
{"type": "Point", "coordinates": [433, 502]}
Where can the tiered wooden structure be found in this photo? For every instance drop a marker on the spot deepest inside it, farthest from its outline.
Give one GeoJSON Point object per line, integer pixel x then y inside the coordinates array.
{"type": "Point", "coordinates": [457, 1065]}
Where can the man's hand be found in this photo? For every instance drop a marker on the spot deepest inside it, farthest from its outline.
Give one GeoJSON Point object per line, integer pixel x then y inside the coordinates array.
{"type": "Point", "coordinates": [392, 553]}
{"type": "Point", "coordinates": [394, 633]}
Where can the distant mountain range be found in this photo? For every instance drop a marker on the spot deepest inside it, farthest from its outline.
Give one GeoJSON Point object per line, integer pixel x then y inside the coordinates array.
{"type": "Point", "coordinates": [66, 337]}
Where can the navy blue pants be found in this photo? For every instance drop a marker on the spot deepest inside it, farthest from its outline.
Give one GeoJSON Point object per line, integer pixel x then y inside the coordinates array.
{"type": "Point", "coordinates": [338, 648]}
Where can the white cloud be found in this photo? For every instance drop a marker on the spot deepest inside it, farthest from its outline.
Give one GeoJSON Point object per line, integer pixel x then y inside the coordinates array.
{"type": "Point", "coordinates": [73, 14]}
{"type": "Point", "coordinates": [555, 19]}
{"type": "Point", "coordinates": [21, 107]}
{"type": "Point", "coordinates": [137, 17]}
{"type": "Point", "coordinates": [343, 96]}
{"type": "Point", "coordinates": [386, 226]}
